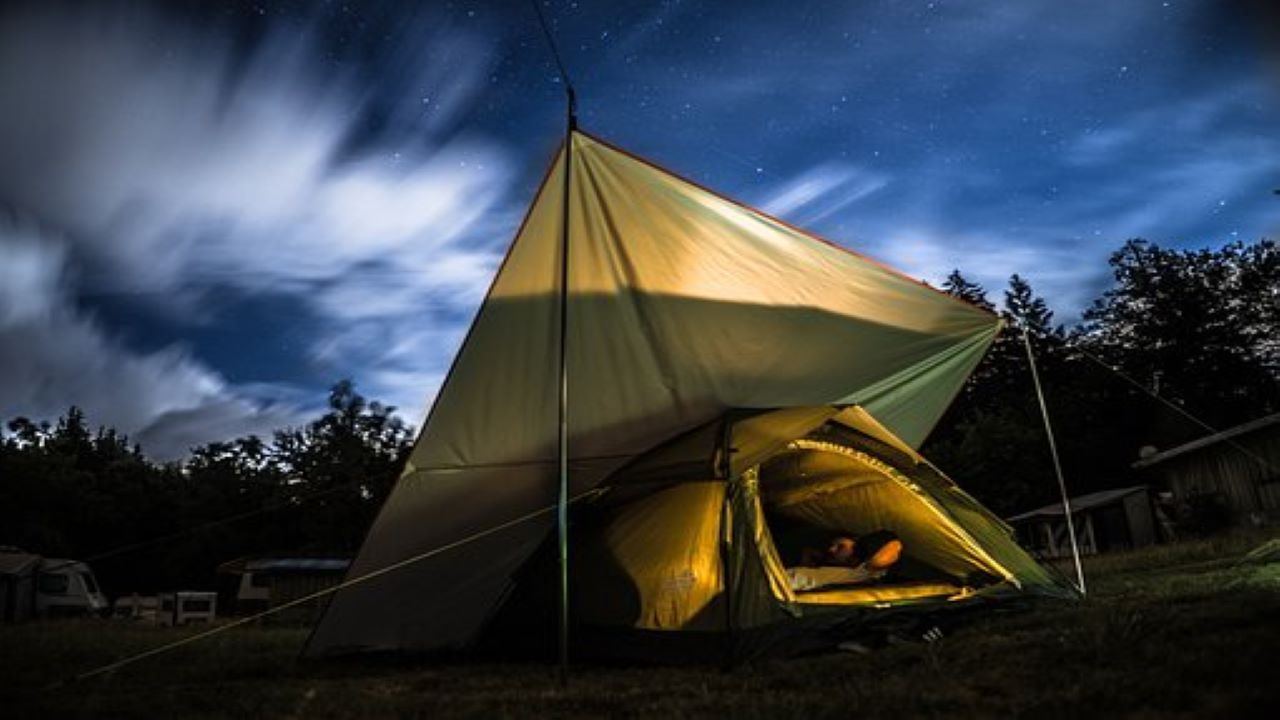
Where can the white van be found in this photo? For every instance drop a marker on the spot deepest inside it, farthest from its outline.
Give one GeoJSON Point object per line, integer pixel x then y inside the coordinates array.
{"type": "Point", "coordinates": [67, 587]}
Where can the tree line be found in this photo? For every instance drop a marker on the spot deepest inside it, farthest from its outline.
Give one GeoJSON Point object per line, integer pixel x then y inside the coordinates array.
{"type": "Point", "coordinates": [69, 491]}
{"type": "Point", "coordinates": [1180, 334]}
{"type": "Point", "coordinates": [1199, 328]}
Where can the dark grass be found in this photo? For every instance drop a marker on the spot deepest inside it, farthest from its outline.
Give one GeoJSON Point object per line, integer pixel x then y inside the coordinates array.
{"type": "Point", "coordinates": [1172, 631]}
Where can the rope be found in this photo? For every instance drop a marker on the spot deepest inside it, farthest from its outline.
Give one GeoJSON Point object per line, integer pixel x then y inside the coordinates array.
{"type": "Point", "coordinates": [313, 596]}
{"type": "Point", "coordinates": [1181, 411]}
{"type": "Point", "coordinates": [123, 549]}
{"type": "Point", "coordinates": [555, 53]}
{"type": "Point", "coordinates": [285, 504]}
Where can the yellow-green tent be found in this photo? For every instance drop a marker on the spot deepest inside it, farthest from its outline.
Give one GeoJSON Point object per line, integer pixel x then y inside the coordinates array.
{"type": "Point", "coordinates": [724, 368]}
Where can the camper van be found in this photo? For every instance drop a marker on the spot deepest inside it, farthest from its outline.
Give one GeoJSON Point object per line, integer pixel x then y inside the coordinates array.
{"type": "Point", "coordinates": [67, 587]}
{"type": "Point", "coordinates": [36, 586]}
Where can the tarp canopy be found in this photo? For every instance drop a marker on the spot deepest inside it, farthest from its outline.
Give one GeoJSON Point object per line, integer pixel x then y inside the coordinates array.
{"type": "Point", "coordinates": [682, 305]}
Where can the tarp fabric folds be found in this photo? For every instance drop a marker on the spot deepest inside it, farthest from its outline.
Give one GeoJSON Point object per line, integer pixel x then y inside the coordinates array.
{"type": "Point", "coordinates": [682, 304]}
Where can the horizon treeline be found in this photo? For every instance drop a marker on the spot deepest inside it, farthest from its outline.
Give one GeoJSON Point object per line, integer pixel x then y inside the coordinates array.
{"type": "Point", "coordinates": [1200, 328]}
{"type": "Point", "coordinates": [68, 491]}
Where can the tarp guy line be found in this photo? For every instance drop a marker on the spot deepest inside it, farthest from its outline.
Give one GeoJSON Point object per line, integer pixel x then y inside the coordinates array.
{"type": "Point", "coordinates": [316, 595]}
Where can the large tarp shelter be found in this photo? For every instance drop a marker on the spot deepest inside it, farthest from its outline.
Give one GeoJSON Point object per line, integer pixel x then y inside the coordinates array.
{"type": "Point", "coordinates": [689, 316]}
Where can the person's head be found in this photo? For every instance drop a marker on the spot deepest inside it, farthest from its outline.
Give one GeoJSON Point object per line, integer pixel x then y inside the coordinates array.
{"type": "Point", "coordinates": [841, 550]}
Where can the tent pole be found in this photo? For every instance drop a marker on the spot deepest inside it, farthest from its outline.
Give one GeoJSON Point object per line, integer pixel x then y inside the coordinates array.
{"type": "Point", "coordinates": [562, 508]}
{"type": "Point", "coordinates": [1057, 464]}
{"type": "Point", "coordinates": [725, 471]}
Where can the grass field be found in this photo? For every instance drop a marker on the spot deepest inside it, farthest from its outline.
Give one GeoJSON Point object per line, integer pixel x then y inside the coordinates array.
{"type": "Point", "coordinates": [1172, 631]}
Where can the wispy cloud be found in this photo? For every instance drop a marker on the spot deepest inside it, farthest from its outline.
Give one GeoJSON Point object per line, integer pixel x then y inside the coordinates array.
{"type": "Point", "coordinates": [173, 167]}
{"type": "Point", "coordinates": [160, 159]}
{"type": "Point", "coordinates": [54, 355]}
{"type": "Point", "coordinates": [821, 191]}
{"type": "Point", "coordinates": [1177, 173]}
{"type": "Point", "coordinates": [1184, 124]}
{"type": "Point", "coordinates": [1099, 146]}
{"type": "Point", "coordinates": [1064, 271]}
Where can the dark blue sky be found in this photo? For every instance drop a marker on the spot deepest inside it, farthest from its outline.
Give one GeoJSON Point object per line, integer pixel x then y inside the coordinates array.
{"type": "Point", "coordinates": [210, 211]}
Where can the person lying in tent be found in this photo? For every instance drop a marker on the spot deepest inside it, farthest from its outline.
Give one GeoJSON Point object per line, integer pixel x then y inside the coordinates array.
{"type": "Point", "coordinates": [847, 561]}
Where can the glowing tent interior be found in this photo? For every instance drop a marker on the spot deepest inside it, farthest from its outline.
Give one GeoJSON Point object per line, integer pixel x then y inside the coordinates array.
{"type": "Point", "coordinates": [728, 374]}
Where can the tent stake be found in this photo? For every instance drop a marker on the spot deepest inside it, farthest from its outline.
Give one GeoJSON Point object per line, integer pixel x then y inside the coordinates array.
{"type": "Point", "coordinates": [1057, 464]}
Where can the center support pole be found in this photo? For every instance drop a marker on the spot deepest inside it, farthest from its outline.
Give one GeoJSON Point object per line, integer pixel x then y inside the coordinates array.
{"type": "Point", "coordinates": [562, 505]}
{"type": "Point", "coordinates": [1057, 464]}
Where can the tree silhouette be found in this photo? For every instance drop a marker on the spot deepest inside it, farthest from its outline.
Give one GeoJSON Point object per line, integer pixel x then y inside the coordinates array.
{"type": "Point", "coordinates": [1198, 325]}
{"type": "Point", "coordinates": [958, 285]}
{"type": "Point", "coordinates": [68, 491]}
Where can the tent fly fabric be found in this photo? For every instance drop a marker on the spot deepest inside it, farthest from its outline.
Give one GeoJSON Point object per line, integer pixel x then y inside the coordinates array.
{"type": "Point", "coordinates": [728, 375]}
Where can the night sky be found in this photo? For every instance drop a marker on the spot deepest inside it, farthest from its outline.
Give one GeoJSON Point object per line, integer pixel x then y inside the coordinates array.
{"type": "Point", "coordinates": [209, 212]}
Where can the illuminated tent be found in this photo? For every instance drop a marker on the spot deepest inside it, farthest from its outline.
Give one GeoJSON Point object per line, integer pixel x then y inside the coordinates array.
{"type": "Point", "coordinates": [723, 367]}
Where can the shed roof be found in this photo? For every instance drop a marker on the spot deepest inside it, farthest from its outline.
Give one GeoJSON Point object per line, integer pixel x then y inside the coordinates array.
{"type": "Point", "coordinates": [298, 564]}
{"type": "Point", "coordinates": [1223, 436]}
{"type": "Point", "coordinates": [1081, 503]}
{"type": "Point", "coordinates": [286, 564]}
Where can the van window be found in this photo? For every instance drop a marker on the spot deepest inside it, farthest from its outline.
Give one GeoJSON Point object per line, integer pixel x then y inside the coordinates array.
{"type": "Point", "coordinates": [89, 583]}
{"type": "Point", "coordinates": [54, 583]}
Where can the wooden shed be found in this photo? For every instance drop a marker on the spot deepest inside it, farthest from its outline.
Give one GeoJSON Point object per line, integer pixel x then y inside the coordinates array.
{"type": "Point", "coordinates": [1240, 466]}
{"type": "Point", "coordinates": [1107, 521]}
